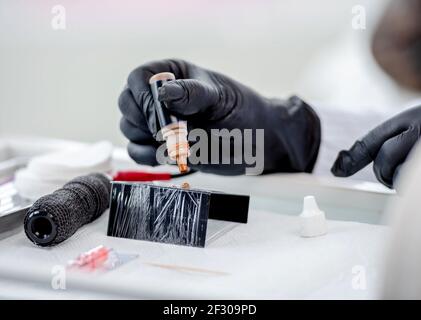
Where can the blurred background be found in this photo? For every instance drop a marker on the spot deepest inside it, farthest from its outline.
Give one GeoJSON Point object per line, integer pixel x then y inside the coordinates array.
{"type": "Point", "coordinates": [65, 83]}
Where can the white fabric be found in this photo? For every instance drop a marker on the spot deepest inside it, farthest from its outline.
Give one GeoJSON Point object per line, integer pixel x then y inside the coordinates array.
{"type": "Point", "coordinates": [50, 171]}
{"type": "Point", "coordinates": [403, 263]}
{"type": "Point", "coordinates": [76, 161]}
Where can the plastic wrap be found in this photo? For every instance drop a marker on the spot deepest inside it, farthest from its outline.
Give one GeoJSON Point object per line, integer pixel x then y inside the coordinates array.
{"type": "Point", "coordinates": [156, 213]}
{"type": "Point", "coordinates": [166, 214]}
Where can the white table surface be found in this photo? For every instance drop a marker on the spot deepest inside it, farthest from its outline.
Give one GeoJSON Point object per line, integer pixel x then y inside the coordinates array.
{"type": "Point", "coordinates": [265, 258]}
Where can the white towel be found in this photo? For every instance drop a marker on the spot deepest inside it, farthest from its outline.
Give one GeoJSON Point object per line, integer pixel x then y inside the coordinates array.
{"type": "Point", "coordinates": [48, 172]}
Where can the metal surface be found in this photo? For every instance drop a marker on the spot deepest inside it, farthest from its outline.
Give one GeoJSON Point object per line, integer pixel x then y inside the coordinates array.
{"type": "Point", "coordinates": [12, 210]}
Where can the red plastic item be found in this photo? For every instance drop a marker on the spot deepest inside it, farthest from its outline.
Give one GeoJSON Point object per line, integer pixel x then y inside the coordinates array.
{"type": "Point", "coordinates": [92, 259]}
{"type": "Point", "coordinates": [140, 176]}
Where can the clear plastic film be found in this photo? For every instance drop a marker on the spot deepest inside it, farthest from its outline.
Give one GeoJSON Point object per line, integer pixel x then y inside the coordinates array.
{"type": "Point", "coordinates": [159, 213]}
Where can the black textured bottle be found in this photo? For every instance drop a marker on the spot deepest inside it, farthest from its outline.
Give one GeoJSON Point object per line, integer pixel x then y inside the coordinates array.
{"type": "Point", "coordinates": [55, 217]}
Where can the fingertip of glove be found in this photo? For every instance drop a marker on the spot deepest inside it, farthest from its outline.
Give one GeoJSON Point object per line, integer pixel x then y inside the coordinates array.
{"type": "Point", "coordinates": [171, 90]}
{"type": "Point", "coordinates": [342, 165]}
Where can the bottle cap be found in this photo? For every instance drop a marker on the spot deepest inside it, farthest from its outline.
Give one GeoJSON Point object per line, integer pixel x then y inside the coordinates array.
{"type": "Point", "coordinates": [312, 219]}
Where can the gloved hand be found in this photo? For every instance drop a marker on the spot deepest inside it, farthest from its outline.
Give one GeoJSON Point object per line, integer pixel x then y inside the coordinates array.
{"type": "Point", "coordinates": [209, 100]}
{"type": "Point", "coordinates": [387, 146]}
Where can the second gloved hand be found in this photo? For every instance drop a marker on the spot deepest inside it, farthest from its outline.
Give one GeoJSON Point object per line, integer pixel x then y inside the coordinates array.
{"type": "Point", "coordinates": [387, 145]}
{"type": "Point", "coordinates": [209, 100]}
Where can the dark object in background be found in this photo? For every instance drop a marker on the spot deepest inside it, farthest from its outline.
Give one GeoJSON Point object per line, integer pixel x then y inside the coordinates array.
{"type": "Point", "coordinates": [397, 42]}
{"type": "Point", "coordinates": [168, 214]}
{"type": "Point", "coordinates": [55, 217]}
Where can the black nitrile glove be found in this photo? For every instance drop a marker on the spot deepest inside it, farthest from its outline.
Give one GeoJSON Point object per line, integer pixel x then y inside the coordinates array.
{"type": "Point", "coordinates": [209, 100]}
{"type": "Point", "coordinates": [387, 145]}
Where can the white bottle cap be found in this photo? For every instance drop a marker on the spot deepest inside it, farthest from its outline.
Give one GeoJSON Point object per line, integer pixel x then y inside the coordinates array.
{"type": "Point", "coordinates": [312, 219]}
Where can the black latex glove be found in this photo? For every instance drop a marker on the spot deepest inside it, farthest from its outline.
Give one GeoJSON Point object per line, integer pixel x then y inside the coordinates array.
{"type": "Point", "coordinates": [208, 100]}
{"type": "Point", "coordinates": [387, 145]}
